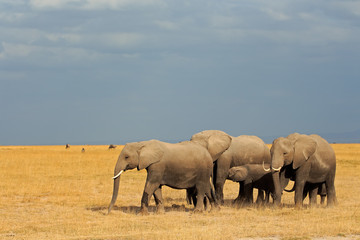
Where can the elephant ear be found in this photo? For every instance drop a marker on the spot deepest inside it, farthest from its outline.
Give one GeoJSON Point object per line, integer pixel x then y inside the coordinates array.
{"type": "Point", "coordinates": [304, 148]}
{"type": "Point", "coordinates": [294, 136]}
{"type": "Point", "coordinates": [218, 144]}
{"type": "Point", "coordinates": [150, 153]}
{"type": "Point", "coordinates": [215, 141]}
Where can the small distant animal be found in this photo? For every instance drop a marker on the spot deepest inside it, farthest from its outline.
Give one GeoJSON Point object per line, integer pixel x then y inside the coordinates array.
{"type": "Point", "coordinates": [83, 150]}
{"type": "Point", "coordinates": [67, 146]}
{"type": "Point", "coordinates": [111, 146]}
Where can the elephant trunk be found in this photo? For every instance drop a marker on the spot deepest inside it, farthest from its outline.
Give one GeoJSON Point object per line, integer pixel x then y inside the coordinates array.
{"type": "Point", "coordinates": [277, 186]}
{"type": "Point", "coordinates": [115, 190]}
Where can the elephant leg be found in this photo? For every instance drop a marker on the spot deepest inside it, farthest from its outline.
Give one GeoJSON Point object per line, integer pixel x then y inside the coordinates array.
{"type": "Point", "coordinates": [322, 199]}
{"type": "Point", "coordinates": [306, 190]}
{"type": "Point", "coordinates": [222, 169]}
{"type": "Point", "coordinates": [248, 195]}
{"type": "Point", "coordinates": [242, 195]}
{"type": "Point", "coordinates": [213, 203]}
{"type": "Point", "coordinates": [312, 196]}
{"type": "Point", "coordinates": [219, 190]}
{"type": "Point", "coordinates": [191, 196]}
{"type": "Point", "coordinates": [159, 201]}
{"type": "Point", "coordinates": [299, 193]}
{"type": "Point", "coordinates": [202, 189]}
{"type": "Point", "coordinates": [260, 197]}
{"type": "Point", "coordinates": [330, 191]}
{"type": "Point", "coordinates": [200, 204]}
{"type": "Point", "coordinates": [322, 193]}
{"type": "Point", "coordinates": [267, 197]}
{"type": "Point", "coordinates": [248, 189]}
{"type": "Point", "coordinates": [150, 188]}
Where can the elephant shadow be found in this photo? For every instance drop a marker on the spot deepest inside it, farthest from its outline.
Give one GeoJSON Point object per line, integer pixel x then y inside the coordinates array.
{"type": "Point", "coordinates": [136, 209]}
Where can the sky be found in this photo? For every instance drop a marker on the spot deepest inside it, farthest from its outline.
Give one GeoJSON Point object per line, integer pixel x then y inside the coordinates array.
{"type": "Point", "coordinates": [116, 71]}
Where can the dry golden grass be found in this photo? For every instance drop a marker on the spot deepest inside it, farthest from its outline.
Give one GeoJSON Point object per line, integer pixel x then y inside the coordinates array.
{"type": "Point", "coordinates": [47, 192]}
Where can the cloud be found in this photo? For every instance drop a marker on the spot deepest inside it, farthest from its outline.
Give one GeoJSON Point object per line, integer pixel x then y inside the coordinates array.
{"type": "Point", "coordinates": [114, 40]}
{"type": "Point", "coordinates": [350, 6]}
{"type": "Point", "coordinates": [91, 4]}
{"type": "Point", "coordinates": [225, 22]}
{"type": "Point", "coordinates": [167, 25]}
{"type": "Point", "coordinates": [119, 40]}
{"type": "Point", "coordinates": [11, 16]}
{"type": "Point", "coordinates": [46, 56]}
{"type": "Point", "coordinates": [71, 38]}
{"type": "Point", "coordinates": [15, 50]}
{"type": "Point", "coordinates": [181, 56]}
{"type": "Point", "coordinates": [277, 15]}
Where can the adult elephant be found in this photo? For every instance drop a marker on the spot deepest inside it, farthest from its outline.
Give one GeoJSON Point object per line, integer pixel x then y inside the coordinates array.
{"type": "Point", "coordinates": [243, 150]}
{"type": "Point", "coordinates": [307, 159]}
{"type": "Point", "coordinates": [184, 165]}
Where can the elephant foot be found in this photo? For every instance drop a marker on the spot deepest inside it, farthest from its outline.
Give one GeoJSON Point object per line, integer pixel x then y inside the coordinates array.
{"type": "Point", "coordinates": [330, 205]}
{"type": "Point", "coordinates": [215, 208]}
{"type": "Point", "coordinates": [275, 206]}
{"type": "Point", "coordinates": [143, 212]}
{"type": "Point", "coordinates": [197, 211]}
{"type": "Point", "coordinates": [298, 206]}
{"type": "Point", "coordinates": [160, 210]}
{"type": "Point", "coordinates": [239, 200]}
{"type": "Point", "coordinates": [313, 205]}
{"type": "Point", "coordinates": [240, 203]}
{"type": "Point", "coordinates": [220, 199]}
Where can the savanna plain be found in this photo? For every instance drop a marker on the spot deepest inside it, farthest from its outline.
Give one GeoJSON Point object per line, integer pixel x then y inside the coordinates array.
{"type": "Point", "coordinates": [49, 192]}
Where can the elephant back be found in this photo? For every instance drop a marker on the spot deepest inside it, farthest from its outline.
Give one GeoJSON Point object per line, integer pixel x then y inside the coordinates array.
{"type": "Point", "coordinates": [247, 149]}
{"type": "Point", "coordinates": [324, 149]}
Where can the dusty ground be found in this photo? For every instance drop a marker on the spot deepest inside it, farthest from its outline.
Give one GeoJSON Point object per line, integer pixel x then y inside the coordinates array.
{"type": "Point", "coordinates": [48, 192]}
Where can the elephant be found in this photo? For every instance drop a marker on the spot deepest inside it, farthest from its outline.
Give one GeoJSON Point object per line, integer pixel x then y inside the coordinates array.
{"type": "Point", "coordinates": [313, 190]}
{"type": "Point", "coordinates": [255, 176]}
{"type": "Point", "coordinates": [184, 165]}
{"type": "Point", "coordinates": [307, 159]}
{"type": "Point", "coordinates": [244, 149]}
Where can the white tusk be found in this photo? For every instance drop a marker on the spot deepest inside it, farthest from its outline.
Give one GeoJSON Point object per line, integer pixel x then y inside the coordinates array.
{"type": "Point", "coordinates": [118, 175]}
{"type": "Point", "coordinates": [276, 169]}
{"type": "Point", "coordinates": [266, 170]}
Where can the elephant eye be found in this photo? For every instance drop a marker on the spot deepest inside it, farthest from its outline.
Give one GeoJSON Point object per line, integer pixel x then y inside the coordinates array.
{"type": "Point", "coordinates": [126, 157]}
{"type": "Point", "coordinates": [285, 153]}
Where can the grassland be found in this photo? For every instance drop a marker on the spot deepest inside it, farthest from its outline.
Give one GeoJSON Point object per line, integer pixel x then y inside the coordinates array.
{"type": "Point", "coordinates": [48, 192]}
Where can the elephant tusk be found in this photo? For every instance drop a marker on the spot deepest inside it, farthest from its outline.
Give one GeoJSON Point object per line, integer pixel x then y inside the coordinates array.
{"type": "Point", "coordinates": [276, 169]}
{"type": "Point", "coordinates": [118, 175]}
{"type": "Point", "coordinates": [266, 170]}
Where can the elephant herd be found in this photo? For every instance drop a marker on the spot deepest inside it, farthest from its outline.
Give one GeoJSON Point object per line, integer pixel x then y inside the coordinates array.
{"type": "Point", "coordinates": [202, 165]}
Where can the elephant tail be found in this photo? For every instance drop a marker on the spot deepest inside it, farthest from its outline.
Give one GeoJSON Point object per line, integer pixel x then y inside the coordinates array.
{"type": "Point", "coordinates": [214, 175]}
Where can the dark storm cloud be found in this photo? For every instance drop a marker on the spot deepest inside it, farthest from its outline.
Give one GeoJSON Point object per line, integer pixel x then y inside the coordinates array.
{"type": "Point", "coordinates": [99, 71]}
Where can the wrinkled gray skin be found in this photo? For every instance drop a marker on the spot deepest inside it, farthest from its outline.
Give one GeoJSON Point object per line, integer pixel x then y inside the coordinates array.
{"type": "Point", "coordinates": [183, 165]}
{"type": "Point", "coordinates": [254, 176]}
{"type": "Point", "coordinates": [307, 159]}
{"type": "Point", "coordinates": [243, 150]}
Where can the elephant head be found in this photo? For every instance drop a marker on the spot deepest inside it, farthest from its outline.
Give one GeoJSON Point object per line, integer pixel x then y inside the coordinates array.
{"type": "Point", "coordinates": [238, 174]}
{"type": "Point", "coordinates": [138, 155]}
{"type": "Point", "coordinates": [292, 151]}
{"type": "Point", "coordinates": [215, 141]}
